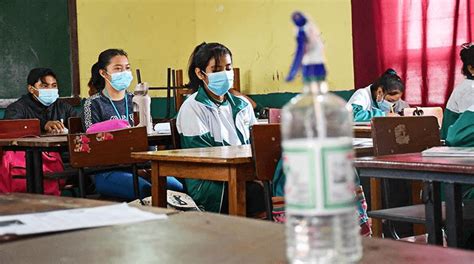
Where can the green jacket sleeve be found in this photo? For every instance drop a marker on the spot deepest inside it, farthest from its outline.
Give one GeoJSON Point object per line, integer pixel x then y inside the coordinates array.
{"type": "Point", "coordinates": [200, 141]}
{"type": "Point", "coordinates": [461, 133]}
{"type": "Point", "coordinates": [449, 117]}
{"type": "Point", "coordinates": [361, 115]}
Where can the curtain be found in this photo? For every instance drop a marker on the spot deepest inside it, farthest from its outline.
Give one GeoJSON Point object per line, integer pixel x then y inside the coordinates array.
{"type": "Point", "coordinates": [420, 39]}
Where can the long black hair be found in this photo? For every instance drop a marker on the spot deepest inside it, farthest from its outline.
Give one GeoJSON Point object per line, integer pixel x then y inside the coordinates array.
{"type": "Point", "coordinates": [389, 81]}
{"type": "Point", "coordinates": [467, 57]}
{"type": "Point", "coordinates": [200, 58]}
{"type": "Point", "coordinates": [97, 82]}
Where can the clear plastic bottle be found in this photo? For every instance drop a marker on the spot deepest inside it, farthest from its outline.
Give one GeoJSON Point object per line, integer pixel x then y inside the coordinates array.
{"type": "Point", "coordinates": [322, 224]}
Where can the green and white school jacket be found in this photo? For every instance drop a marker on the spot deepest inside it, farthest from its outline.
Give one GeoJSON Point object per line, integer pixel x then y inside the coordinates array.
{"type": "Point", "coordinates": [363, 106]}
{"type": "Point", "coordinates": [203, 123]}
{"type": "Point", "coordinates": [461, 133]}
{"type": "Point", "coordinates": [461, 99]}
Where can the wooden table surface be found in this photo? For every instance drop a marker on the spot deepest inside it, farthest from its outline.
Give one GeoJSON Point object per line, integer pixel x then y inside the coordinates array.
{"type": "Point", "coordinates": [415, 161]}
{"type": "Point", "coordinates": [23, 203]}
{"type": "Point", "coordinates": [220, 155]}
{"type": "Point", "coordinates": [193, 237]}
{"type": "Point", "coordinates": [362, 131]}
{"type": "Point", "coordinates": [47, 142]}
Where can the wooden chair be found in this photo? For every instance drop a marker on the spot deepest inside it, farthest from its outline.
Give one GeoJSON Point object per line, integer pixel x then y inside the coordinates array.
{"type": "Point", "coordinates": [266, 152]}
{"type": "Point", "coordinates": [274, 115]}
{"type": "Point", "coordinates": [16, 128]}
{"type": "Point", "coordinates": [397, 135]}
{"type": "Point", "coordinates": [106, 150]}
{"type": "Point", "coordinates": [425, 111]}
{"type": "Point", "coordinates": [175, 138]}
{"type": "Point", "coordinates": [75, 125]}
{"type": "Point", "coordinates": [236, 85]}
{"type": "Point", "coordinates": [181, 95]}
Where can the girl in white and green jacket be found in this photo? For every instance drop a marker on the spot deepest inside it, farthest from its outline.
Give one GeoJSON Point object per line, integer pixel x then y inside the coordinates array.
{"type": "Point", "coordinates": [213, 117]}
{"type": "Point", "coordinates": [462, 96]}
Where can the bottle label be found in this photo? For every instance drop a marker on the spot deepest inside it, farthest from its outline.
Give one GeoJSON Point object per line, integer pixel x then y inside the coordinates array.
{"type": "Point", "coordinates": [320, 176]}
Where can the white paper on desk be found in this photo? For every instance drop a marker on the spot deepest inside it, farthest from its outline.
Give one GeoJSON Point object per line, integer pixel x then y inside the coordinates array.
{"type": "Point", "coordinates": [61, 220]}
{"type": "Point", "coordinates": [362, 142]}
{"type": "Point", "coordinates": [163, 128]}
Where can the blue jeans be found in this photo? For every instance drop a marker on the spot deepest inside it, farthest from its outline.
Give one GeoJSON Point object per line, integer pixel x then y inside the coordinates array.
{"type": "Point", "coordinates": [120, 184]}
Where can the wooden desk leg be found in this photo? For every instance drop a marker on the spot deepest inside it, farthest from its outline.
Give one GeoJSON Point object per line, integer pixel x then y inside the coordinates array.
{"type": "Point", "coordinates": [433, 215]}
{"type": "Point", "coordinates": [454, 215]}
{"type": "Point", "coordinates": [158, 186]}
{"type": "Point", "coordinates": [30, 178]}
{"type": "Point", "coordinates": [237, 205]}
{"type": "Point", "coordinates": [376, 204]}
{"type": "Point", "coordinates": [38, 171]}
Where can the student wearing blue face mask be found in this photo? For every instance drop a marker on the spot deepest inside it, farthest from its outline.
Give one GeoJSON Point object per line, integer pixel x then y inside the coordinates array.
{"type": "Point", "coordinates": [213, 116]}
{"type": "Point", "coordinates": [41, 102]}
{"type": "Point", "coordinates": [111, 76]}
{"type": "Point", "coordinates": [382, 98]}
{"type": "Point", "coordinates": [109, 100]}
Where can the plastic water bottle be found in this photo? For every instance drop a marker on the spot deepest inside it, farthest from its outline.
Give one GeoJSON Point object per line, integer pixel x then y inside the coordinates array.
{"type": "Point", "coordinates": [142, 105]}
{"type": "Point", "coordinates": [322, 224]}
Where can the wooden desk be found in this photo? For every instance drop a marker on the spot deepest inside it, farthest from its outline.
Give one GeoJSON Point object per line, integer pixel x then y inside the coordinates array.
{"type": "Point", "coordinates": [34, 163]}
{"type": "Point", "coordinates": [23, 203]}
{"type": "Point", "coordinates": [231, 164]}
{"type": "Point", "coordinates": [158, 139]}
{"type": "Point", "coordinates": [34, 146]}
{"type": "Point", "coordinates": [451, 171]}
{"type": "Point", "coordinates": [193, 237]}
{"type": "Point", "coordinates": [362, 131]}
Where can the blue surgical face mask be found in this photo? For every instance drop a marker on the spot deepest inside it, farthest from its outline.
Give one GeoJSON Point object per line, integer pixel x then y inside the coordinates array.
{"type": "Point", "coordinates": [220, 82]}
{"type": "Point", "coordinates": [120, 80]}
{"type": "Point", "coordinates": [385, 105]}
{"type": "Point", "coordinates": [47, 96]}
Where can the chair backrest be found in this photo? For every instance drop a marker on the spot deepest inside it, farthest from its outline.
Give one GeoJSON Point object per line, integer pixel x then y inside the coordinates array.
{"type": "Point", "coordinates": [404, 134]}
{"type": "Point", "coordinates": [266, 149]}
{"type": "Point", "coordinates": [15, 128]}
{"type": "Point", "coordinates": [425, 111]}
{"type": "Point", "coordinates": [181, 94]}
{"type": "Point", "coordinates": [75, 125]}
{"type": "Point", "coordinates": [236, 85]}
{"type": "Point", "coordinates": [274, 115]}
{"type": "Point", "coordinates": [106, 148]}
{"type": "Point", "coordinates": [175, 139]}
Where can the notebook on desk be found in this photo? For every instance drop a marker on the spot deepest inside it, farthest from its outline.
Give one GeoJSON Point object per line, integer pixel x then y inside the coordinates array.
{"type": "Point", "coordinates": [449, 152]}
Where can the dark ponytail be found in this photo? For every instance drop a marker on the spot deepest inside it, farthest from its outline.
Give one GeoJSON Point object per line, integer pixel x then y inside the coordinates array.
{"type": "Point", "coordinates": [97, 82]}
{"type": "Point", "coordinates": [467, 57]}
{"type": "Point", "coordinates": [389, 81]}
{"type": "Point", "coordinates": [200, 58]}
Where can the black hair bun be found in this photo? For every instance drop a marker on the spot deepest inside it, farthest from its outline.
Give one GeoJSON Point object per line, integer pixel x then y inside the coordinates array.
{"type": "Point", "coordinates": [390, 71]}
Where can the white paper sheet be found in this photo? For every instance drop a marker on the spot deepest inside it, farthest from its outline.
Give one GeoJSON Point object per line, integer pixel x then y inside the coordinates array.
{"type": "Point", "coordinates": [362, 142]}
{"type": "Point", "coordinates": [61, 220]}
{"type": "Point", "coordinates": [163, 128]}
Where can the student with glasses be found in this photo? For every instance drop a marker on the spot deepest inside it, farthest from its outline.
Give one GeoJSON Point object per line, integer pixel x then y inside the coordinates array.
{"type": "Point", "coordinates": [462, 96]}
